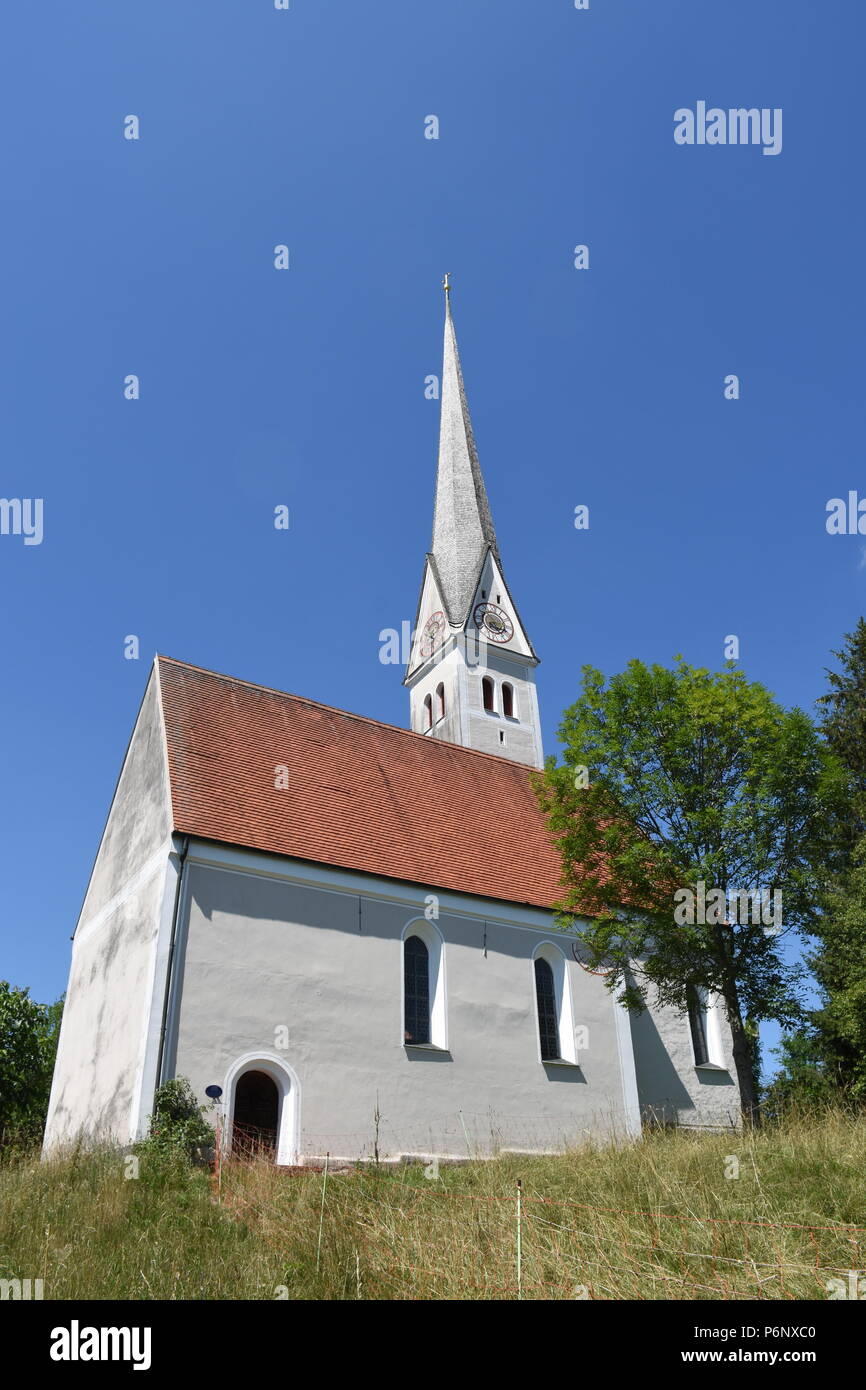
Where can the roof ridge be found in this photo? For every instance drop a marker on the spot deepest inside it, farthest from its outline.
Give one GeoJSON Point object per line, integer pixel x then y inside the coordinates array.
{"type": "Point", "coordinates": [349, 714]}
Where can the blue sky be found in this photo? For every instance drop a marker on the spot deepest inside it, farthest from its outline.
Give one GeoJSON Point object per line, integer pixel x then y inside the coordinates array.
{"type": "Point", "coordinates": [306, 387]}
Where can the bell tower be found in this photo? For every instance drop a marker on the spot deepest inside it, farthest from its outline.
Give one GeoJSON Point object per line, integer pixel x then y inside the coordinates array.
{"type": "Point", "coordinates": [471, 672]}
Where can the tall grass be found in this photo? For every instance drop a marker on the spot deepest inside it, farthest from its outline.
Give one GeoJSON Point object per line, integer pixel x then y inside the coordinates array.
{"type": "Point", "coordinates": [655, 1220]}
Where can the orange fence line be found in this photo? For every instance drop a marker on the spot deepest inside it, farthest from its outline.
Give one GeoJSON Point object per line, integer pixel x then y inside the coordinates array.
{"type": "Point", "coordinates": [644, 1270]}
{"type": "Point", "coordinates": [781, 1263]}
{"type": "Point", "coordinates": [846, 1229]}
{"type": "Point", "coordinates": [726, 1290]}
{"type": "Point", "coordinates": [842, 1228]}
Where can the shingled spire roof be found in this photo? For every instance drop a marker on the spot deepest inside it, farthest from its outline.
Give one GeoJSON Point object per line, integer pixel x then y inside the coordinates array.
{"type": "Point", "coordinates": [462, 524]}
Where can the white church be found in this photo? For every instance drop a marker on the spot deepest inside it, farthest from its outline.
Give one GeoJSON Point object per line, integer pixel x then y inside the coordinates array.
{"type": "Point", "coordinates": [346, 926]}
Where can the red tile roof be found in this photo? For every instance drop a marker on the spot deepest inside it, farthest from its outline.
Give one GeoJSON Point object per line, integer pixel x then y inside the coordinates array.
{"type": "Point", "coordinates": [361, 795]}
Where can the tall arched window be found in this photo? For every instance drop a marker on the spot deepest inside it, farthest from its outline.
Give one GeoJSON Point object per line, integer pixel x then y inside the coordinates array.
{"type": "Point", "coordinates": [507, 700]}
{"type": "Point", "coordinates": [548, 1024]}
{"type": "Point", "coordinates": [428, 712]}
{"type": "Point", "coordinates": [487, 693]}
{"type": "Point", "coordinates": [440, 701]}
{"type": "Point", "coordinates": [698, 1024]}
{"type": "Point", "coordinates": [416, 991]}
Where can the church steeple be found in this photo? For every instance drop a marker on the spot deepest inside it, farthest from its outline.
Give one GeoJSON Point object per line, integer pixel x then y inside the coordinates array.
{"type": "Point", "coordinates": [471, 673]}
{"type": "Point", "coordinates": [462, 524]}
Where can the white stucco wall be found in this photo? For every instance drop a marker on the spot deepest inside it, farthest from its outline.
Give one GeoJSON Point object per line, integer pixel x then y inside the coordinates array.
{"type": "Point", "coordinates": [521, 735]}
{"type": "Point", "coordinates": [466, 720]}
{"type": "Point", "coordinates": [96, 1090]}
{"type": "Point", "coordinates": [260, 954]}
{"type": "Point", "coordinates": [671, 1088]}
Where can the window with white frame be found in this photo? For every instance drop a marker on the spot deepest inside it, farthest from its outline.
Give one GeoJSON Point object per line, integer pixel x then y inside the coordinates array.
{"type": "Point", "coordinates": [416, 990]}
{"type": "Point", "coordinates": [553, 1005]}
{"type": "Point", "coordinates": [548, 1014]}
{"type": "Point", "coordinates": [424, 1014]}
{"type": "Point", "coordinates": [705, 1029]}
{"type": "Point", "coordinates": [698, 1026]}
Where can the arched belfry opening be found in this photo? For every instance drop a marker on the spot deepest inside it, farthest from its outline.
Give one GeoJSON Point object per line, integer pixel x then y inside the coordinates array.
{"type": "Point", "coordinates": [256, 1116]}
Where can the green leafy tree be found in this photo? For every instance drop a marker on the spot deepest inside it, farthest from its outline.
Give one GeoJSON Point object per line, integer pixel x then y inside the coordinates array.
{"type": "Point", "coordinates": [177, 1125]}
{"type": "Point", "coordinates": [839, 964]}
{"type": "Point", "coordinates": [839, 959]}
{"type": "Point", "coordinates": [843, 724]}
{"type": "Point", "coordinates": [677, 778]}
{"type": "Point", "coordinates": [807, 1078]}
{"type": "Point", "coordinates": [828, 1054]}
{"type": "Point", "coordinates": [28, 1046]}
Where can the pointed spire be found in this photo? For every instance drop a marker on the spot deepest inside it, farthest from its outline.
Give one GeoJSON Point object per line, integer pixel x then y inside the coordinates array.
{"type": "Point", "coordinates": [462, 524]}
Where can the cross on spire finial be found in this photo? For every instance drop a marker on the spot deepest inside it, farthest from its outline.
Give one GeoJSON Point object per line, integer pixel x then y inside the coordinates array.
{"type": "Point", "coordinates": [445, 285]}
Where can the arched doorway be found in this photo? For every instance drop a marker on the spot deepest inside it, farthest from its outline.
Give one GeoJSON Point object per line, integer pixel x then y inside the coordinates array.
{"type": "Point", "coordinates": [266, 1117]}
{"type": "Point", "coordinates": [256, 1118]}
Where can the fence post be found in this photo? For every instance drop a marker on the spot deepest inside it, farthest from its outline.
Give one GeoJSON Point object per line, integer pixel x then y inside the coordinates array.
{"type": "Point", "coordinates": [322, 1213]}
{"type": "Point", "coordinates": [219, 1158]}
{"type": "Point", "coordinates": [519, 1239]}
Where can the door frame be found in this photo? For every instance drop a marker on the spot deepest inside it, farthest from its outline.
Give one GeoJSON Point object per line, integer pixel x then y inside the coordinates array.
{"type": "Point", "coordinates": [289, 1109]}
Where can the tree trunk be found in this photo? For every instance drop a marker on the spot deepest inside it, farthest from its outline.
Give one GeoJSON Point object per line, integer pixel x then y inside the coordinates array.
{"type": "Point", "coordinates": [742, 1049]}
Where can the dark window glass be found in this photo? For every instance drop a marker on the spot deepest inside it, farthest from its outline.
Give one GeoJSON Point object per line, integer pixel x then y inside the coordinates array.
{"type": "Point", "coordinates": [428, 711]}
{"type": "Point", "coordinates": [698, 1024]}
{"type": "Point", "coordinates": [440, 702]}
{"type": "Point", "coordinates": [487, 693]}
{"type": "Point", "coordinates": [545, 994]}
{"type": "Point", "coordinates": [508, 701]}
{"type": "Point", "coordinates": [416, 976]}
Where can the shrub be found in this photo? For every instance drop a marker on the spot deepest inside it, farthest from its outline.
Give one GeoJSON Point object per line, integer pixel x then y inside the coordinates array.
{"type": "Point", "coordinates": [177, 1125]}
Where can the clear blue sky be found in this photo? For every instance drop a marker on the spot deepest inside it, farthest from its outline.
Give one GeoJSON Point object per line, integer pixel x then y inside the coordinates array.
{"type": "Point", "coordinates": [305, 387]}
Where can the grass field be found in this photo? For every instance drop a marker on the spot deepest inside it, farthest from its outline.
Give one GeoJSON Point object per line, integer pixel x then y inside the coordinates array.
{"type": "Point", "coordinates": [656, 1220]}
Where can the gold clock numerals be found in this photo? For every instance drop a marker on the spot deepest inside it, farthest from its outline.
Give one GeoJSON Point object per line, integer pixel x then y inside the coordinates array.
{"type": "Point", "coordinates": [496, 623]}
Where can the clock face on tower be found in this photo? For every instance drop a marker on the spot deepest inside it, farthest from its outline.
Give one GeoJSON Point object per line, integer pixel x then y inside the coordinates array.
{"type": "Point", "coordinates": [432, 634]}
{"type": "Point", "coordinates": [496, 624]}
